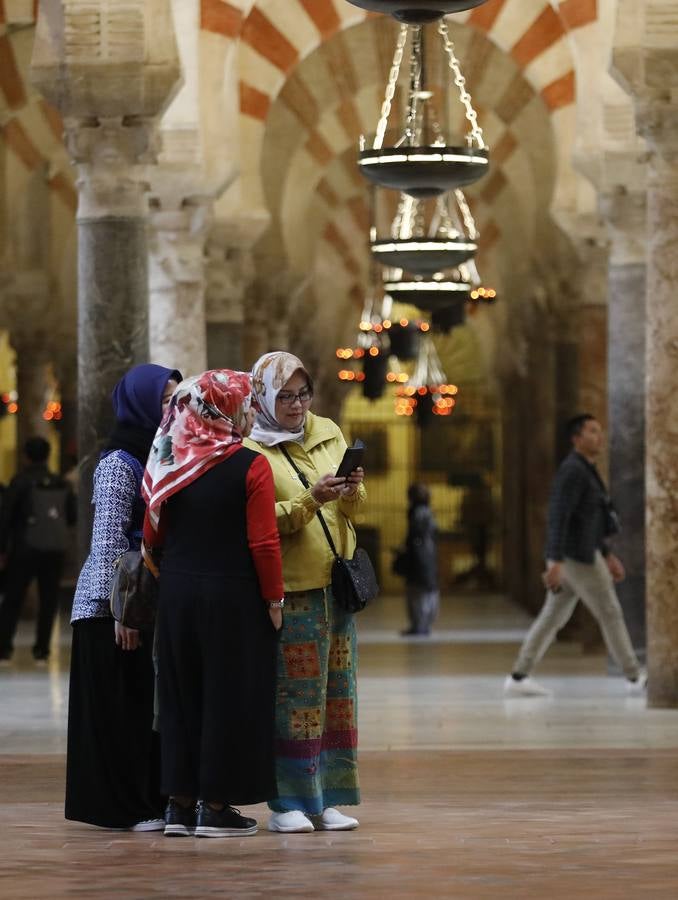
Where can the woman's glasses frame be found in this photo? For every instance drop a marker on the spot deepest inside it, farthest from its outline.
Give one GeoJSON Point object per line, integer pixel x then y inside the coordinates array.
{"type": "Point", "coordinates": [287, 398]}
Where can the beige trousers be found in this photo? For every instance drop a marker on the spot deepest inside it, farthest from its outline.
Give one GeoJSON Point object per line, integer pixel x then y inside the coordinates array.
{"type": "Point", "coordinates": [592, 583]}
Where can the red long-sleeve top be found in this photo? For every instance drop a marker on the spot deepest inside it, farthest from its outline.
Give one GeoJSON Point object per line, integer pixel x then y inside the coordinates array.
{"type": "Point", "coordinates": [262, 530]}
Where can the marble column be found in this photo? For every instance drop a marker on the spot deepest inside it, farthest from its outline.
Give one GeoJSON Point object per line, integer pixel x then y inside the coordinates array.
{"type": "Point", "coordinates": [659, 124]}
{"type": "Point", "coordinates": [177, 283]}
{"type": "Point", "coordinates": [625, 214]}
{"type": "Point", "coordinates": [30, 325]}
{"type": "Point", "coordinates": [538, 459]}
{"type": "Point", "coordinates": [591, 329]}
{"type": "Point", "coordinates": [111, 74]}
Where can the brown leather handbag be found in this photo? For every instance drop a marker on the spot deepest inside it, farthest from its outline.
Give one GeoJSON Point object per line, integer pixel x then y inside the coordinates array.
{"type": "Point", "coordinates": [134, 592]}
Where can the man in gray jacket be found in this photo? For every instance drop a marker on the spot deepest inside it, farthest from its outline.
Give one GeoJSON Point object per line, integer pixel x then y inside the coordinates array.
{"type": "Point", "coordinates": [579, 564]}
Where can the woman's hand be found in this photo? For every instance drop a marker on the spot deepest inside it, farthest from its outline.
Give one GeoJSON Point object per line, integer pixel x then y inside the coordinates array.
{"type": "Point", "coordinates": [327, 488]}
{"type": "Point", "coordinates": [353, 482]}
{"type": "Point", "coordinates": [126, 638]}
{"type": "Point", "coordinates": [276, 615]}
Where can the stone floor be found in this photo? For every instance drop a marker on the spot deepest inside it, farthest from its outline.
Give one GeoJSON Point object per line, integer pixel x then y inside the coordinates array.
{"type": "Point", "coordinates": [465, 795]}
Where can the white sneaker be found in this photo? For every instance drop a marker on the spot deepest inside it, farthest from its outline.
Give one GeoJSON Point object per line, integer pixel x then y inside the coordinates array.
{"type": "Point", "coordinates": [526, 687]}
{"type": "Point", "coordinates": [290, 822]}
{"type": "Point", "coordinates": [149, 825]}
{"type": "Point", "coordinates": [333, 820]}
{"type": "Point", "coordinates": [638, 687]}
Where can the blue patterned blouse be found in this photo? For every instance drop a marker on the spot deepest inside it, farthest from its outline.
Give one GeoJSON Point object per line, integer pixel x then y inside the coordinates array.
{"type": "Point", "coordinates": [118, 515]}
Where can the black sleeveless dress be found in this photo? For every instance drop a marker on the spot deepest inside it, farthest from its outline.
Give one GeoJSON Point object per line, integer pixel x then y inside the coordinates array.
{"type": "Point", "coordinates": [216, 646]}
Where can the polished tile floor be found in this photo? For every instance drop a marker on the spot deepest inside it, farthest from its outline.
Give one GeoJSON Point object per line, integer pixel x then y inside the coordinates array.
{"type": "Point", "coordinates": [465, 794]}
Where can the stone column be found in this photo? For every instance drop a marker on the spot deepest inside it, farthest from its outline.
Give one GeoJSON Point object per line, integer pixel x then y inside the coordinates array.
{"type": "Point", "coordinates": [591, 329]}
{"type": "Point", "coordinates": [111, 73]}
{"type": "Point", "coordinates": [659, 125]}
{"type": "Point", "coordinates": [625, 214]}
{"type": "Point", "coordinates": [31, 326]}
{"type": "Point", "coordinates": [177, 283]}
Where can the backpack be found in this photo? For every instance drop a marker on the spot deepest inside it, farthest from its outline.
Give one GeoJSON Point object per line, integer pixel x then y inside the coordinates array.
{"type": "Point", "coordinates": [46, 525]}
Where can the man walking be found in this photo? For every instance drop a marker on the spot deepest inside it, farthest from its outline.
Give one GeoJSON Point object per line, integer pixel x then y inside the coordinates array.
{"type": "Point", "coordinates": [579, 564]}
{"type": "Point", "coordinates": [37, 511]}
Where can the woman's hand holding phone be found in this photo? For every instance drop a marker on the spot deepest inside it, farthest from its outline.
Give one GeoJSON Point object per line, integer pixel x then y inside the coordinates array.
{"type": "Point", "coordinates": [353, 482]}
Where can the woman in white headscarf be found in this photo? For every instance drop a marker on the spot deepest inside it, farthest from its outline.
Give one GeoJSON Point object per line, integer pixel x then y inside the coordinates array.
{"type": "Point", "coordinates": [316, 710]}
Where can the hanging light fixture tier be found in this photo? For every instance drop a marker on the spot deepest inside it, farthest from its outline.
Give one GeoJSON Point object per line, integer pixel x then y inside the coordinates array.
{"type": "Point", "coordinates": [423, 256]}
{"type": "Point", "coordinates": [424, 171]}
{"type": "Point", "coordinates": [428, 295]}
{"type": "Point", "coordinates": [417, 12]}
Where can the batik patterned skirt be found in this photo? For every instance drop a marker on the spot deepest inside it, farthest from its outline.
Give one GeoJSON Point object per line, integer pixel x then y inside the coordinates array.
{"type": "Point", "coordinates": [316, 708]}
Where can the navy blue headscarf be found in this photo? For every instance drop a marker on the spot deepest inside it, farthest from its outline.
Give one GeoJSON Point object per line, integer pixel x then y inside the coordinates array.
{"type": "Point", "coordinates": [137, 403]}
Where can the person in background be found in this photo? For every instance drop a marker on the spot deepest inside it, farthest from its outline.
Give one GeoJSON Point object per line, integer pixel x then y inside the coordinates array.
{"type": "Point", "coordinates": [211, 513]}
{"type": "Point", "coordinates": [421, 579]}
{"type": "Point", "coordinates": [38, 509]}
{"type": "Point", "coordinates": [112, 763]}
{"type": "Point", "coordinates": [579, 564]}
{"type": "Point", "coordinates": [316, 709]}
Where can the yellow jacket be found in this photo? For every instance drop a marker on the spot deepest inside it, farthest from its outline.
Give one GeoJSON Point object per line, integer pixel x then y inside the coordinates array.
{"type": "Point", "coordinates": [307, 558]}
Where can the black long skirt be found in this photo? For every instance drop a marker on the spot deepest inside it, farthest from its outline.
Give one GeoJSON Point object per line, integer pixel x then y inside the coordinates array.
{"type": "Point", "coordinates": [113, 763]}
{"type": "Point", "coordinates": [216, 661]}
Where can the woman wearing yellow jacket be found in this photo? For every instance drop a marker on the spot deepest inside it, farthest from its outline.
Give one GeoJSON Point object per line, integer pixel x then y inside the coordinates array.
{"type": "Point", "coordinates": [316, 710]}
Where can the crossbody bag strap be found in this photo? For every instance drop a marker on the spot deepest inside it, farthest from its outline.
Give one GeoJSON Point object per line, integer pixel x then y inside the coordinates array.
{"type": "Point", "coordinates": [304, 480]}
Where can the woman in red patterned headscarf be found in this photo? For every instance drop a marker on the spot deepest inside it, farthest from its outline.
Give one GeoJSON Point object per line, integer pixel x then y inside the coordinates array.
{"type": "Point", "coordinates": [211, 508]}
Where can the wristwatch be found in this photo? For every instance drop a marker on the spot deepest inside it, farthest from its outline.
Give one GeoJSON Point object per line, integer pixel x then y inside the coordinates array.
{"type": "Point", "coordinates": [277, 604]}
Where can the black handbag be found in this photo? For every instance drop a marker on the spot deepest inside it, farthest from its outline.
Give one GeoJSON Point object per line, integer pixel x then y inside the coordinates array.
{"type": "Point", "coordinates": [134, 592]}
{"type": "Point", "coordinates": [354, 583]}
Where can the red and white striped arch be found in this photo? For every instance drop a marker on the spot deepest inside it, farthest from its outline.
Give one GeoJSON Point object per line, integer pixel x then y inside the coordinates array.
{"type": "Point", "coordinates": [275, 35]}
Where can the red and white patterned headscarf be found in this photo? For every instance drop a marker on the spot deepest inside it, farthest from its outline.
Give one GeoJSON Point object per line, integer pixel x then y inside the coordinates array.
{"type": "Point", "coordinates": [202, 425]}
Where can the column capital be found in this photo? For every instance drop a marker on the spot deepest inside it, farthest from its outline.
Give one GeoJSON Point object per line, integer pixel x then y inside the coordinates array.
{"type": "Point", "coordinates": [111, 156]}
{"type": "Point", "coordinates": [111, 72]}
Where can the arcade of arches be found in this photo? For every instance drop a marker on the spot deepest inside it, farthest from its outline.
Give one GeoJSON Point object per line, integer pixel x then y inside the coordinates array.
{"type": "Point", "coordinates": [178, 183]}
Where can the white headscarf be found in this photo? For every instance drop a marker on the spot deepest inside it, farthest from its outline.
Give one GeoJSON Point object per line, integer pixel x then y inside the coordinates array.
{"type": "Point", "coordinates": [270, 374]}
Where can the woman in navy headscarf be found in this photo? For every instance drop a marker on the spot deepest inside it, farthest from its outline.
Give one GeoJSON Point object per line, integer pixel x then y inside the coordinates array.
{"type": "Point", "coordinates": [112, 775]}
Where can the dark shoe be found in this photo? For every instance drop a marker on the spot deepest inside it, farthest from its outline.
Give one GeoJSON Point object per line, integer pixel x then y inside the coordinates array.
{"type": "Point", "coordinates": [226, 822]}
{"type": "Point", "coordinates": [39, 655]}
{"type": "Point", "coordinates": [179, 820]}
{"type": "Point", "coordinates": [5, 658]}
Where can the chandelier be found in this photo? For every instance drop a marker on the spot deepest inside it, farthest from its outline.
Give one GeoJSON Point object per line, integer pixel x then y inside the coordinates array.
{"type": "Point", "coordinates": [447, 240]}
{"type": "Point", "coordinates": [421, 163]}
{"type": "Point", "coordinates": [417, 11]}
{"type": "Point", "coordinates": [426, 393]}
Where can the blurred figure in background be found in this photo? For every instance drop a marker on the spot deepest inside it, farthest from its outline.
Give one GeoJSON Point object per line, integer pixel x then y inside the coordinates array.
{"type": "Point", "coordinates": [421, 566]}
{"type": "Point", "coordinates": [38, 509]}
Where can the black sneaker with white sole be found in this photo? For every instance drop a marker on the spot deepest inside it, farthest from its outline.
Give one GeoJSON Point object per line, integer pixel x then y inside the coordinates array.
{"type": "Point", "coordinates": [179, 820]}
{"type": "Point", "coordinates": [226, 822]}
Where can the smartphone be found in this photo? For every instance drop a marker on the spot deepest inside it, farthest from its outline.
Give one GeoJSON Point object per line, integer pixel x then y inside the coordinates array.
{"type": "Point", "coordinates": [352, 460]}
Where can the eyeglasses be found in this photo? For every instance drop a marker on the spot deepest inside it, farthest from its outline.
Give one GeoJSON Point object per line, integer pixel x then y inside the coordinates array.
{"type": "Point", "coordinates": [287, 398]}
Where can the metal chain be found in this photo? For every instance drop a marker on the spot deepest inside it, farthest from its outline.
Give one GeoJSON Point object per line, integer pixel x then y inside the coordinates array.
{"type": "Point", "coordinates": [460, 81]}
{"type": "Point", "coordinates": [391, 88]}
{"type": "Point", "coordinates": [469, 221]}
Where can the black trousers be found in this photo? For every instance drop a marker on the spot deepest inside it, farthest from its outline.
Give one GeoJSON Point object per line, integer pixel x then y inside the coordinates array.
{"type": "Point", "coordinates": [216, 668]}
{"type": "Point", "coordinates": [23, 566]}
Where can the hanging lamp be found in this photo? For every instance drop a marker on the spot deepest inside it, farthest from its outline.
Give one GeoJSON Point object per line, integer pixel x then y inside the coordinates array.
{"type": "Point", "coordinates": [416, 12]}
{"type": "Point", "coordinates": [415, 164]}
{"type": "Point", "coordinates": [447, 240]}
{"type": "Point", "coordinates": [426, 393]}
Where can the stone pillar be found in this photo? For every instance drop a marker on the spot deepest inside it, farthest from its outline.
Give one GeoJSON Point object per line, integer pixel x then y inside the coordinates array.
{"type": "Point", "coordinates": [31, 326]}
{"type": "Point", "coordinates": [177, 283]}
{"type": "Point", "coordinates": [111, 73]}
{"type": "Point", "coordinates": [625, 214]}
{"type": "Point", "coordinates": [660, 127]}
{"type": "Point", "coordinates": [591, 328]}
